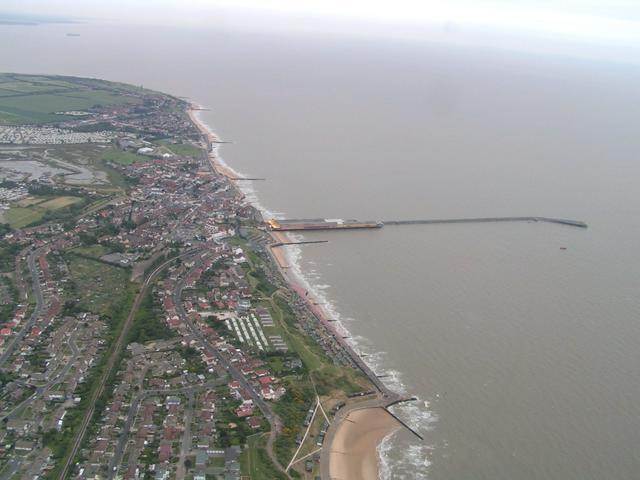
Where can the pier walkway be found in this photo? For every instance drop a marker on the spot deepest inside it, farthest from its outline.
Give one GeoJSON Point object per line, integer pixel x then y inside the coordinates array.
{"type": "Point", "coordinates": [561, 221]}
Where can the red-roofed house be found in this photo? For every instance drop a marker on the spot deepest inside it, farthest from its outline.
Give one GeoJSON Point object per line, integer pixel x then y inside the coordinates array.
{"type": "Point", "coordinates": [165, 452]}
{"type": "Point", "coordinates": [254, 422]}
{"type": "Point", "coordinates": [244, 411]}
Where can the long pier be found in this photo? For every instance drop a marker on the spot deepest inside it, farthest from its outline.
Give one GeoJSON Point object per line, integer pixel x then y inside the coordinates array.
{"type": "Point", "coordinates": [282, 225]}
{"type": "Point", "coordinates": [561, 221]}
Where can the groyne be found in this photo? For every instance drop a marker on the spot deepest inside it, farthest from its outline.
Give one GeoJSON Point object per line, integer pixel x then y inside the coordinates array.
{"type": "Point", "coordinates": [395, 402]}
{"type": "Point", "coordinates": [306, 242]}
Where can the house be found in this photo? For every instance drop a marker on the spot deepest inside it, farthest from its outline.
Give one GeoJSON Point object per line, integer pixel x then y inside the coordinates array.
{"type": "Point", "coordinates": [56, 396]}
{"type": "Point", "coordinates": [244, 305]}
{"type": "Point", "coordinates": [165, 452]}
{"type": "Point", "coordinates": [254, 422]}
{"type": "Point", "coordinates": [267, 393]}
{"type": "Point", "coordinates": [20, 427]}
{"type": "Point", "coordinates": [244, 411]}
{"type": "Point", "coordinates": [23, 446]}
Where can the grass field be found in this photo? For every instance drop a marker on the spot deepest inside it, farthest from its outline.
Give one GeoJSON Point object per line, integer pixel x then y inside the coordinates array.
{"type": "Point", "coordinates": [183, 149]}
{"type": "Point", "coordinates": [30, 210]}
{"type": "Point", "coordinates": [254, 461]}
{"type": "Point", "coordinates": [35, 99]}
{"type": "Point", "coordinates": [99, 288]}
{"type": "Point", "coordinates": [19, 217]}
{"type": "Point", "coordinates": [59, 202]}
{"type": "Point", "coordinates": [25, 202]}
{"type": "Point", "coordinates": [122, 157]}
{"type": "Point", "coordinates": [95, 251]}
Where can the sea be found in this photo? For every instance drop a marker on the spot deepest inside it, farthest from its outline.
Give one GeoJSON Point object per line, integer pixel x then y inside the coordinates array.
{"type": "Point", "coordinates": [519, 340]}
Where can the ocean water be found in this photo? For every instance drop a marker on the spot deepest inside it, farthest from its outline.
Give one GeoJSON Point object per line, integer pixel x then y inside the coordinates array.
{"type": "Point", "coordinates": [524, 356]}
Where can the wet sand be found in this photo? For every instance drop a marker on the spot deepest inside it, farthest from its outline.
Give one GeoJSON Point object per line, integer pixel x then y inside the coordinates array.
{"type": "Point", "coordinates": [354, 446]}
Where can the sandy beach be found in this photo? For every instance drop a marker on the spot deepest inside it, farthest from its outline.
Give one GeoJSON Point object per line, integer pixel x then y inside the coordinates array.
{"type": "Point", "coordinates": [212, 138]}
{"type": "Point", "coordinates": [353, 453]}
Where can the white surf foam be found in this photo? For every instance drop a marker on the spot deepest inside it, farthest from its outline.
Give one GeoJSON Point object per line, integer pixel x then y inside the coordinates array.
{"type": "Point", "coordinates": [384, 464]}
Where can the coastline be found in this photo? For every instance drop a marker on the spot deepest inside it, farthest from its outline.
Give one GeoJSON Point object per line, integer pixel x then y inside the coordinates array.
{"type": "Point", "coordinates": [359, 429]}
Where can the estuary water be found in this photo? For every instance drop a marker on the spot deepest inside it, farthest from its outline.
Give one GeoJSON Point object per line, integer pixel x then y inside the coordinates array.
{"type": "Point", "coordinates": [519, 339]}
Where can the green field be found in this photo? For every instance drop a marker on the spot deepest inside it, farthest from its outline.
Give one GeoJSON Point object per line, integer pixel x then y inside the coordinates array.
{"type": "Point", "coordinates": [59, 202]}
{"type": "Point", "coordinates": [183, 149]}
{"type": "Point", "coordinates": [95, 251]}
{"type": "Point", "coordinates": [19, 217]}
{"type": "Point", "coordinates": [122, 157]}
{"type": "Point", "coordinates": [27, 99]}
{"type": "Point", "coordinates": [31, 210]}
{"type": "Point", "coordinates": [255, 462]}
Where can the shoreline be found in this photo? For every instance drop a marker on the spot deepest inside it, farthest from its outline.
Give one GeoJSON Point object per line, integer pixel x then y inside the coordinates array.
{"type": "Point", "coordinates": [362, 434]}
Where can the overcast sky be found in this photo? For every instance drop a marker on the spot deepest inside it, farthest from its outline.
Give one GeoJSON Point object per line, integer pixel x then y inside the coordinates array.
{"type": "Point", "coordinates": [606, 21]}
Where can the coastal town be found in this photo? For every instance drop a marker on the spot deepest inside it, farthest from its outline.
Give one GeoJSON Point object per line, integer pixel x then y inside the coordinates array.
{"type": "Point", "coordinates": [149, 326]}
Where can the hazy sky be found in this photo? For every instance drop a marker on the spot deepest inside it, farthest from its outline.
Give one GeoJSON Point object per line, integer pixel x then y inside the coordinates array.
{"type": "Point", "coordinates": [606, 21]}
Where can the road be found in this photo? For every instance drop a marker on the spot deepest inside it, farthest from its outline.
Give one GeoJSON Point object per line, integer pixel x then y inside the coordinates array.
{"type": "Point", "coordinates": [10, 469]}
{"type": "Point", "coordinates": [110, 365]}
{"type": "Point", "coordinates": [185, 446]}
{"type": "Point", "coordinates": [37, 290]}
